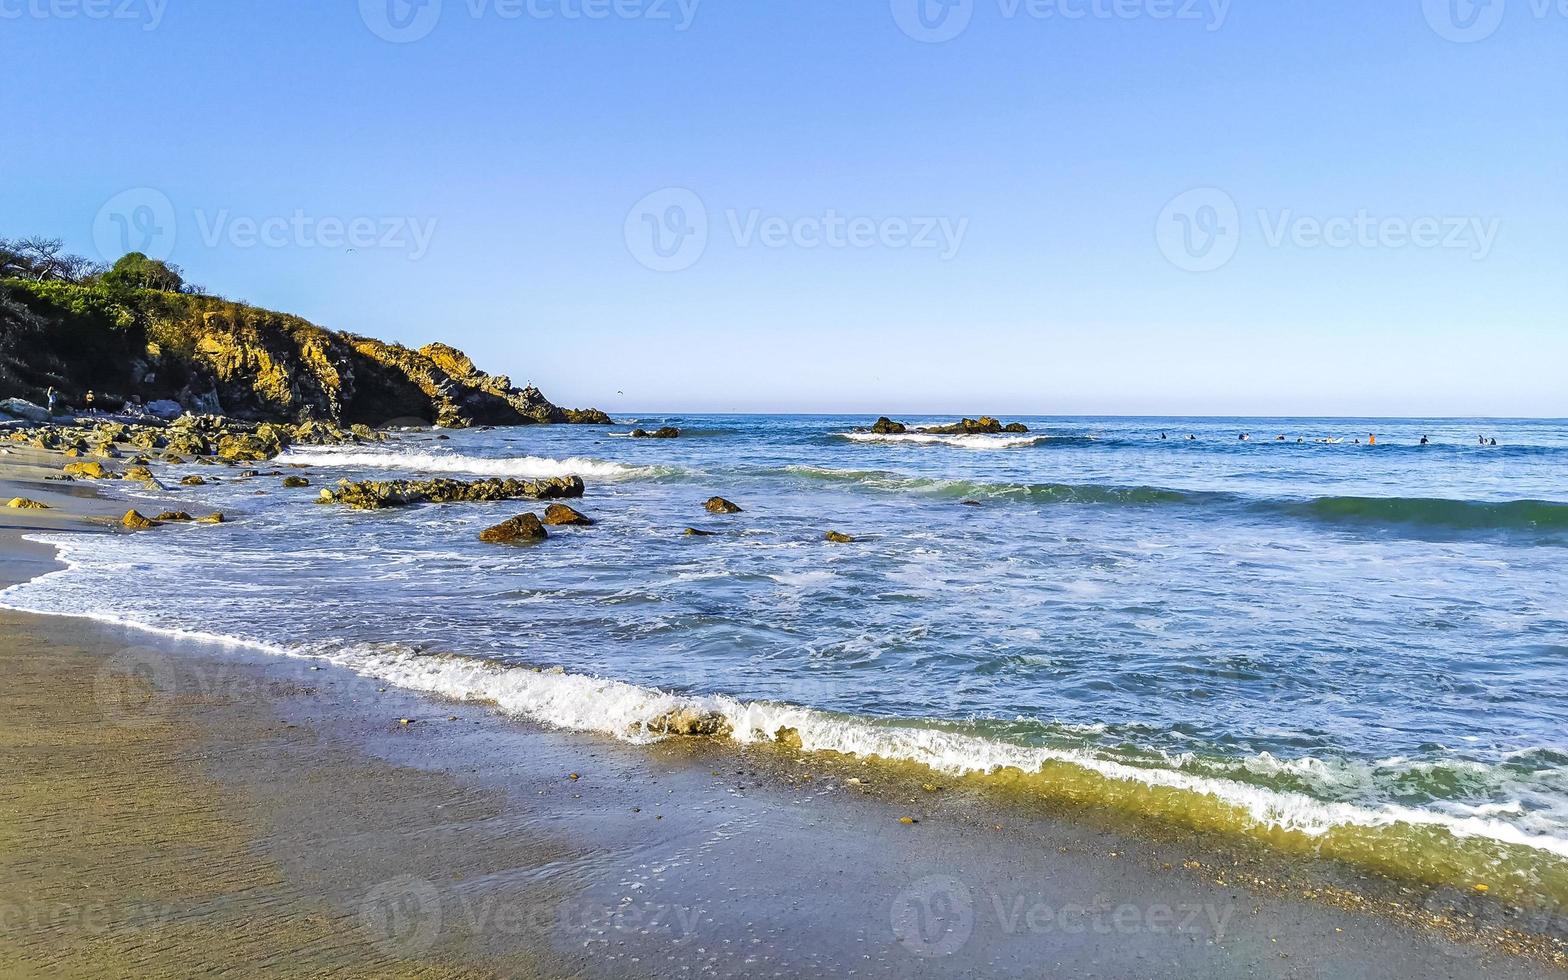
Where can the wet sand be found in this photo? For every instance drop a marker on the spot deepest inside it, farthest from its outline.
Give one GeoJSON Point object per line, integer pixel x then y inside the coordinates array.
{"type": "Point", "coordinates": [176, 808]}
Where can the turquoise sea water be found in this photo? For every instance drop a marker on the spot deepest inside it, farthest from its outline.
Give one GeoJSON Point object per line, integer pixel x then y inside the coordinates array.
{"type": "Point", "coordinates": [1312, 634]}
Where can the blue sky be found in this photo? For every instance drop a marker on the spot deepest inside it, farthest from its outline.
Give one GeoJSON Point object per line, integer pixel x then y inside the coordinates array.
{"type": "Point", "coordinates": [1064, 207]}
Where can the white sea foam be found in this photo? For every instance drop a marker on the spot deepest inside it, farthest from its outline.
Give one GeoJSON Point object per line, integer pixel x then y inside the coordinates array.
{"type": "Point", "coordinates": [518, 467]}
{"type": "Point", "coordinates": [805, 580]}
{"type": "Point", "coordinates": [631, 712]}
{"type": "Point", "coordinates": [961, 441]}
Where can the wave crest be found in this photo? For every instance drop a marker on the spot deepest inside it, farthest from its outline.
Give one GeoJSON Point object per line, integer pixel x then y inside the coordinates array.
{"type": "Point", "coordinates": [961, 441]}
{"type": "Point", "coordinates": [519, 467]}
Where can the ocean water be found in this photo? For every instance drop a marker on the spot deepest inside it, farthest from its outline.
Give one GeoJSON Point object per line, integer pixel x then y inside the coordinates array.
{"type": "Point", "coordinates": [1355, 649]}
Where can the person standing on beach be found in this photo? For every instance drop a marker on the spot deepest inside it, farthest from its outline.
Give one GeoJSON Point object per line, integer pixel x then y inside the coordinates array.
{"type": "Point", "coordinates": [52, 397]}
{"type": "Point", "coordinates": [88, 400]}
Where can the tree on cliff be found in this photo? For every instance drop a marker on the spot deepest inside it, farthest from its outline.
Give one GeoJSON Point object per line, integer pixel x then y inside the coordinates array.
{"type": "Point", "coordinates": [43, 260]}
{"type": "Point", "coordinates": [137, 271]}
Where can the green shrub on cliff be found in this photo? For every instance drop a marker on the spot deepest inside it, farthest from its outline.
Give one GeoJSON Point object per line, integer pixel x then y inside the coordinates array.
{"type": "Point", "coordinates": [137, 271]}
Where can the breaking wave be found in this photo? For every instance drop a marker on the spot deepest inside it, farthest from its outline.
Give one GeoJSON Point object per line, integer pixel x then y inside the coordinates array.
{"type": "Point", "coordinates": [517, 467]}
{"type": "Point", "coordinates": [961, 441]}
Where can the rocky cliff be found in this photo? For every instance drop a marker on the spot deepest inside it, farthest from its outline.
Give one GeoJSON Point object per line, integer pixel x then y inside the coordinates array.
{"type": "Point", "coordinates": [216, 356]}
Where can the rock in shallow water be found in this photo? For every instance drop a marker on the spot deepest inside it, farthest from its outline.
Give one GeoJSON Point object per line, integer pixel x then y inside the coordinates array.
{"type": "Point", "coordinates": [887, 427]}
{"type": "Point", "coordinates": [136, 521]}
{"type": "Point", "coordinates": [376, 494]}
{"type": "Point", "coordinates": [690, 721]}
{"type": "Point", "coordinates": [521, 529]}
{"type": "Point", "coordinates": [295, 482]}
{"type": "Point", "coordinates": [718, 505]}
{"type": "Point", "coordinates": [838, 537]}
{"type": "Point", "coordinates": [560, 514]}
{"type": "Point", "coordinates": [22, 503]}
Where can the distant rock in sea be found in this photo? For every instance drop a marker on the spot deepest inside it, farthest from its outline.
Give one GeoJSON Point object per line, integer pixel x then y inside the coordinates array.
{"type": "Point", "coordinates": [984, 425]}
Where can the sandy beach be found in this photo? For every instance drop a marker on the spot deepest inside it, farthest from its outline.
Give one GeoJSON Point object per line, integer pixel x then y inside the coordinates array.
{"type": "Point", "coordinates": [181, 807]}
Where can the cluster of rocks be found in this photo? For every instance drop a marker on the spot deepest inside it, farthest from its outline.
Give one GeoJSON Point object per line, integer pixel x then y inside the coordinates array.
{"type": "Point", "coordinates": [378, 494]}
{"type": "Point", "coordinates": [205, 439]}
{"type": "Point", "coordinates": [136, 521]}
{"type": "Point", "coordinates": [984, 425]}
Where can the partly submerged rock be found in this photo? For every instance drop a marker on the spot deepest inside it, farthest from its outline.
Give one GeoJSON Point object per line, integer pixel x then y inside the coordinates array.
{"type": "Point", "coordinates": [693, 532]}
{"type": "Point", "coordinates": [718, 505]}
{"type": "Point", "coordinates": [141, 473]}
{"type": "Point", "coordinates": [691, 722]}
{"type": "Point", "coordinates": [376, 494]}
{"type": "Point", "coordinates": [667, 432]}
{"type": "Point", "coordinates": [174, 516]}
{"type": "Point", "coordinates": [560, 514]}
{"type": "Point", "coordinates": [194, 480]}
{"type": "Point", "coordinates": [22, 503]}
{"type": "Point", "coordinates": [838, 537]}
{"type": "Point", "coordinates": [522, 528]}
{"type": "Point", "coordinates": [984, 425]}
{"type": "Point", "coordinates": [295, 482]}
{"type": "Point", "coordinates": [216, 517]}
{"type": "Point", "coordinates": [136, 521]}
{"type": "Point", "coordinates": [887, 427]}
